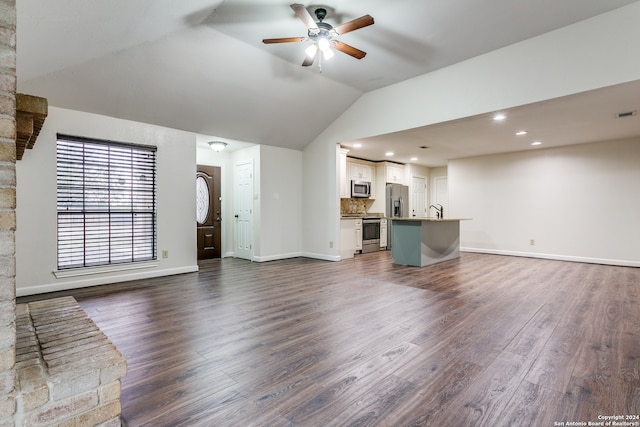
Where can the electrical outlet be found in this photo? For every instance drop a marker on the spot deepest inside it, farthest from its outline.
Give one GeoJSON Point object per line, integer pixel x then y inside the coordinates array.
{"type": "Point", "coordinates": [165, 253]}
{"type": "Point", "coordinates": [532, 242]}
{"type": "Point", "coordinates": [331, 243]}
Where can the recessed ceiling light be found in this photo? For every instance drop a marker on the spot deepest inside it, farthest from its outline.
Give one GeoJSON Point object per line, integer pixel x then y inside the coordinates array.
{"type": "Point", "coordinates": [536, 143]}
{"type": "Point", "coordinates": [389, 153]}
{"type": "Point", "coordinates": [499, 117]}
{"type": "Point", "coordinates": [521, 132]}
{"type": "Point", "coordinates": [413, 159]}
{"type": "Point", "coordinates": [357, 145]}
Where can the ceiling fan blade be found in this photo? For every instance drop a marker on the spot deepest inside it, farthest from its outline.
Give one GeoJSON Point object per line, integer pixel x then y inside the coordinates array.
{"type": "Point", "coordinates": [349, 50]}
{"type": "Point", "coordinates": [309, 61]}
{"type": "Point", "coordinates": [284, 40]}
{"type": "Point", "coordinates": [304, 15]}
{"type": "Point", "coordinates": [363, 21]}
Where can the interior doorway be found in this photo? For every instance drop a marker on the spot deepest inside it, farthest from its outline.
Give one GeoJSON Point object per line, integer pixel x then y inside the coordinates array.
{"type": "Point", "coordinates": [243, 196]}
{"type": "Point", "coordinates": [208, 212]}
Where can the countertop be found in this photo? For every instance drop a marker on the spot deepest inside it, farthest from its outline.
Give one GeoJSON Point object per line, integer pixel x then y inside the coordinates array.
{"type": "Point", "coordinates": [415, 218]}
{"type": "Point", "coordinates": [365, 215]}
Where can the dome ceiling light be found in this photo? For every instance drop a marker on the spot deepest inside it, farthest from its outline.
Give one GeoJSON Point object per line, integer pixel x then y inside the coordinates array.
{"type": "Point", "coordinates": [217, 146]}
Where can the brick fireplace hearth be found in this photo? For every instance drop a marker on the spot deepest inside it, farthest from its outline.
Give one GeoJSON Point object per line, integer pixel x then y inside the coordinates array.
{"type": "Point", "coordinates": [68, 373]}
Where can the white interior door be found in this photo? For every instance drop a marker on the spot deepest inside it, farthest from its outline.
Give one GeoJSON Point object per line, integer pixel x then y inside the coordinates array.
{"type": "Point", "coordinates": [244, 209]}
{"type": "Point", "coordinates": [418, 196]}
{"type": "Point", "coordinates": [440, 194]}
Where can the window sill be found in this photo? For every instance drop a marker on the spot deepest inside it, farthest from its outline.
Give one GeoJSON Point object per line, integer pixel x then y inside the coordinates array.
{"type": "Point", "coordinates": [75, 272]}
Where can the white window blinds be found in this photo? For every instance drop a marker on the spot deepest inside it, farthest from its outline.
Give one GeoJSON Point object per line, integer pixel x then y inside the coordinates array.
{"type": "Point", "coordinates": [106, 202]}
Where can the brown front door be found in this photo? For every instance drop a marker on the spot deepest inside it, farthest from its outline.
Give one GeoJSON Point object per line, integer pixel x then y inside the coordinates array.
{"type": "Point", "coordinates": [208, 212]}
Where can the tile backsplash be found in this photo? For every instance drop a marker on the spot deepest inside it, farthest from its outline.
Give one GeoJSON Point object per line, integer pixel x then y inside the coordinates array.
{"type": "Point", "coordinates": [353, 206]}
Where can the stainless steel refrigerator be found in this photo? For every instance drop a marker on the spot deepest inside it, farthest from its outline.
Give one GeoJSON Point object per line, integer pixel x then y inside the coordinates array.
{"type": "Point", "coordinates": [397, 206]}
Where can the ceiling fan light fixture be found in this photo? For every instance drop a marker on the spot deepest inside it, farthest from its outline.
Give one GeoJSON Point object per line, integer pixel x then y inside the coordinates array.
{"type": "Point", "coordinates": [217, 146]}
{"type": "Point", "coordinates": [327, 54]}
{"type": "Point", "coordinates": [311, 50]}
{"type": "Point", "coordinates": [324, 44]}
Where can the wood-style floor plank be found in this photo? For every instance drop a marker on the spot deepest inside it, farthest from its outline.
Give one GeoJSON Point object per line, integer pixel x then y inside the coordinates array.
{"type": "Point", "coordinates": [483, 340]}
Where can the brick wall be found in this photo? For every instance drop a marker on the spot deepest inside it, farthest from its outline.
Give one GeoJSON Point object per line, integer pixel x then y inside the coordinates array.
{"type": "Point", "coordinates": [7, 209]}
{"type": "Point", "coordinates": [68, 373]}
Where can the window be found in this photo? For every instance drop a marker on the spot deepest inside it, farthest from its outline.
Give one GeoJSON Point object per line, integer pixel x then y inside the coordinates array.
{"type": "Point", "coordinates": [106, 202]}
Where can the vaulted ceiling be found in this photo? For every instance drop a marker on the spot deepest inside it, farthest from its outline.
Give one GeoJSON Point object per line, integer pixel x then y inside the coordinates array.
{"type": "Point", "coordinates": [201, 66]}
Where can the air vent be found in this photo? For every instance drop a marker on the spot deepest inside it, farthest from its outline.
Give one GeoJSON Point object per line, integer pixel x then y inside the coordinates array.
{"type": "Point", "coordinates": [627, 114]}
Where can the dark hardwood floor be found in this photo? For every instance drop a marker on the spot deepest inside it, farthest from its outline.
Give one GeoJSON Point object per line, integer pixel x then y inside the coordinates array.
{"type": "Point", "coordinates": [480, 341]}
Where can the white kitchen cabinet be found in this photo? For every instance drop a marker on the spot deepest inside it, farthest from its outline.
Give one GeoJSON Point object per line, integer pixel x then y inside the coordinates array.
{"type": "Point", "coordinates": [350, 237]}
{"type": "Point", "coordinates": [343, 176]}
{"type": "Point", "coordinates": [360, 172]}
{"type": "Point", "coordinates": [394, 173]}
{"type": "Point", "coordinates": [358, 234]}
{"type": "Point", "coordinates": [383, 233]}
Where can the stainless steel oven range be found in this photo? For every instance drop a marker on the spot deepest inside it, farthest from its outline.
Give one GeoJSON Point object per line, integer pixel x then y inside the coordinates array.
{"type": "Point", "coordinates": [370, 234]}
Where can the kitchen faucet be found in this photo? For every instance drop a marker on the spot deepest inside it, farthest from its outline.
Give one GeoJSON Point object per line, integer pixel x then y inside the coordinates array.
{"type": "Point", "coordinates": [439, 210]}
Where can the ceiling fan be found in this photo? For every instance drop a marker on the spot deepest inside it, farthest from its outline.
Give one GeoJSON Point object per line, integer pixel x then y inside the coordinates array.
{"type": "Point", "coordinates": [323, 35]}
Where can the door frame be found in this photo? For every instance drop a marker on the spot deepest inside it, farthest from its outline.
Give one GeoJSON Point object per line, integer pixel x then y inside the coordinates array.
{"type": "Point", "coordinates": [224, 208]}
{"type": "Point", "coordinates": [213, 221]}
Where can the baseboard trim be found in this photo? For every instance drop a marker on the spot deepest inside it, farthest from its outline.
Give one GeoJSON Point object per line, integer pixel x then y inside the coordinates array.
{"type": "Point", "coordinates": [276, 257]}
{"type": "Point", "coordinates": [588, 260]}
{"type": "Point", "coordinates": [322, 257]}
{"type": "Point", "coordinates": [296, 255]}
{"type": "Point", "coordinates": [102, 280]}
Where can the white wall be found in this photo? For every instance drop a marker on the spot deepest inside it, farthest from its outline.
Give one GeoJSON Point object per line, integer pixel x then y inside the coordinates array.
{"type": "Point", "coordinates": [36, 201]}
{"type": "Point", "coordinates": [579, 202]}
{"type": "Point", "coordinates": [321, 201]}
{"type": "Point", "coordinates": [280, 234]}
{"type": "Point", "coordinates": [580, 57]}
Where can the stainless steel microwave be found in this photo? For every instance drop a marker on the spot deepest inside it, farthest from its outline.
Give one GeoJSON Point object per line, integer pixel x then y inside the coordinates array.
{"type": "Point", "coordinates": [360, 189]}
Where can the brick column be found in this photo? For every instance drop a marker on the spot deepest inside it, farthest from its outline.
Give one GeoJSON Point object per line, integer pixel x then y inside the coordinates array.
{"type": "Point", "coordinates": [7, 209]}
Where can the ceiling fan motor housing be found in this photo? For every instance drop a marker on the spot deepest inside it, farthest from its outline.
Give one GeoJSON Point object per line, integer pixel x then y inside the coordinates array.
{"type": "Point", "coordinates": [321, 13]}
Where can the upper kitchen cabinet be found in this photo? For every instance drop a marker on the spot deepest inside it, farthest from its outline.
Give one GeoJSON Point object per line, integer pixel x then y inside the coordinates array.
{"type": "Point", "coordinates": [360, 171]}
{"type": "Point", "coordinates": [393, 172]}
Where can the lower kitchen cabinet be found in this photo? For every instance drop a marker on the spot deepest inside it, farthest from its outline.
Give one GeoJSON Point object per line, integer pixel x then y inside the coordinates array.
{"type": "Point", "coordinates": [350, 237]}
{"type": "Point", "coordinates": [383, 233]}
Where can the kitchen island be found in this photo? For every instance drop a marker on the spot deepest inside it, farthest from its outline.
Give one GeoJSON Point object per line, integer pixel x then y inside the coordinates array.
{"type": "Point", "coordinates": [424, 241]}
